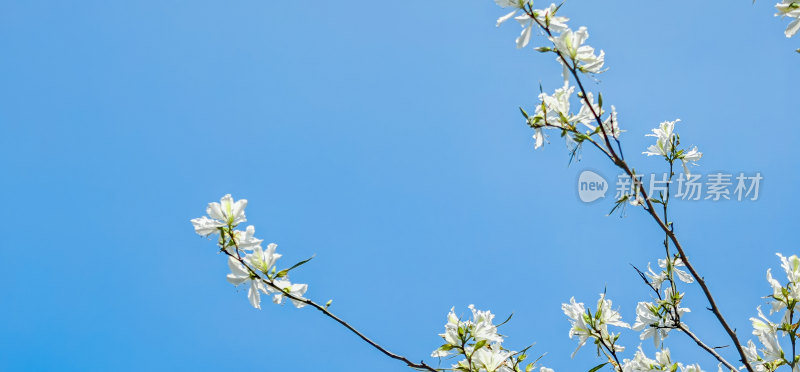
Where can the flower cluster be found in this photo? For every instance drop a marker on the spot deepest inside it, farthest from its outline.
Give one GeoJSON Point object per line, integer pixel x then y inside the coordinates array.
{"type": "Point", "coordinates": [663, 362]}
{"type": "Point", "coordinates": [791, 9]}
{"type": "Point", "coordinates": [586, 325]}
{"type": "Point", "coordinates": [655, 319]}
{"type": "Point", "coordinates": [575, 56]}
{"type": "Point", "coordinates": [480, 345]}
{"type": "Point", "coordinates": [666, 145]}
{"type": "Point", "coordinates": [257, 267]}
{"type": "Point", "coordinates": [784, 298]}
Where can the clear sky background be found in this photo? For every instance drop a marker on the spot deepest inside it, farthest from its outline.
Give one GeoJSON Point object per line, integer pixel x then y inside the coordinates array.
{"type": "Point", "coordinates": [383, 137]}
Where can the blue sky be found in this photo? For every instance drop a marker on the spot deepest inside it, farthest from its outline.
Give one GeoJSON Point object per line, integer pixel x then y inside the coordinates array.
{"type": "Point", "coordinates": [383, 137]}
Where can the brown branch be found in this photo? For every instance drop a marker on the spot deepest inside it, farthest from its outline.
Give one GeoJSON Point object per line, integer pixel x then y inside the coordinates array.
{"type": "Point", "coordinates": [705, 347]}
{"type": "Point", "coordinates": [700, 281]}
{"type": "Point", "coordinates": [619, 162]}
{"type": "Point", "coordinates": [420, 366]}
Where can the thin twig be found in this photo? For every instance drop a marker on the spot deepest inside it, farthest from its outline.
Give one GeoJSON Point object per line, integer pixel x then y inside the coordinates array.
{"type": "Point", "coordinates": [420, 366]}
{"type": "Point", "coordinates": [619, 162]}
{"type": "Point", "coordinates": [705, 347]}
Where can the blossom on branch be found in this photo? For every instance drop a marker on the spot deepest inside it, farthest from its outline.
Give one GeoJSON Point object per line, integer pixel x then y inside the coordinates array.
{"type": "Point", "coordinates": [225, 213]}
{"type": "Point", "coordinates": [296, 290]}
{"type": "Point", "coordinates": [570, 45]}
{"type": "Point", "coordinates": [239, 274]}
{"type": "Point", "coordinates": [246, 240]}
{"type": "Point", "coordinates": [663, 362]}
{"type": "Point", "coordinates": [667, 146]}
{"type": "Point", "coordinates": [791, 9]}
{"type": "Point", "coordinates": [587, 325]}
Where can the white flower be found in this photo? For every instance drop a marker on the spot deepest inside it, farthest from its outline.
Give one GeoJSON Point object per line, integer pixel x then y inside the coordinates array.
{"type": "Point", "coordinates": [593, 64]}
{"type": "Point", "coordinates": [691, 368]}
{"type": "Point", "coordinates": [791, 266]}
{"type": "Point", "coordinates": [779, 300]}
{"type": "Point", "coordinates": [656, 279]}
{"type": "Point", "coordinates": [462, 365]}
{"type": "Point", "coordinates": [482, 326]}
{"type": "Point", "coordinates": [205, 226]}
{"type": "Point", "coordinates": [766, 332]}
{"type": "Point", "coordinates": [677, 262]}
{"type": "Point", "coordinates": [226, 212]}
{"type": "Point", "coordinates": [543, 16]}
{"type": "Point", "coordinates": [548, 18]}
{"type": "Point", "coordinates": [246, 239]}
{"type": "Point", "coordinates": [479, 328]}
{"type": "Point", "coordinates": [545, 369]}
{"type": "Point", "coordinates": [493, 359]}
{"type": "Point", "coordinates": [516, 4]}
{"type": "Point", "coordinates": [579, 319]}
{"type": "Point", "coordinates": [450, 334]}
{"type": "Point", "coordinates": [609, 316]}
{"type": "Point", "coordinates": [751, 353]}
{"type": "Point", "coordinates": [239, 274]}
{"type": "Point", "coordinates": [790, 8]}
{"type": "Point", "coordinates": [663, 357]}
{"type": "Point", "coordinates": [772, 349]}
{"type": "Point", "coordinates": [585, 326]}
{"type": "Point", "coordinates": [639, 363]}
{"type": "Point", "coordinates": [570, 45]}
{"type": "Point", "coordinates": [648, 319]}
{"type": "Point", "coordinates": [690, 157]}
{"type": "Point", "coordinates": [297, 290]}
{"type": "Point", "coordinates": [665, 139]}
{"type": "Point", "coordinates": [586, 113]}
{"type": "Point", "coordinates": [261, 260]}
{"type": "Point", "coordinates": [762, 324]}
{"type": "Point", "coordinates": [610, 124]}
{"type": "Point", "coordinates": [553, 111]}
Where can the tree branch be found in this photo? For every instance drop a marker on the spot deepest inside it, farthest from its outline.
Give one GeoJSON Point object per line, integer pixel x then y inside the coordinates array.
{"type": "Point", "coordinates": [422, 366]}
{"type": "Point", "coordinates": [705, 347]}
{"type": "Point", "coordinates": [619, 162]}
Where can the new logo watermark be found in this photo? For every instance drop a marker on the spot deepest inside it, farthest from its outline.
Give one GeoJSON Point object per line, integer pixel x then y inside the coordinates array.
{"type": "Point", "coordinates": [716, 186]}
{"type": "Point", "coordinates": [591, 186]}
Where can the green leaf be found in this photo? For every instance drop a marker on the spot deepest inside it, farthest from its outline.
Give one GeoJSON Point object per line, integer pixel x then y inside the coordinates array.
{"type": "Point", "coordinates": [597, 367]}
{"type": "Point", "coordinates": [600, 99]}
{"type": "Point", "coordinates": [300, 263]}
{"type": "Point", "coordinates": [480, 344]}
{"type": "Point", "coordinates": [525, 114]}
{"type": "Point", "coordinates": [285, 272]}
{"type": "Point", "coordinates": [507, 319]}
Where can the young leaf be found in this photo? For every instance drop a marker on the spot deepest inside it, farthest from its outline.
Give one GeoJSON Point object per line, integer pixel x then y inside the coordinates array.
{"type": "Point", "coordinates": [597, 367]}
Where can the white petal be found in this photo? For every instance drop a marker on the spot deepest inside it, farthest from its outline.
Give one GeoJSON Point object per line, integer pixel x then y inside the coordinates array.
{"type": "Point", "coordinates": [524, 37]}
{"type": "Point", "coordinates": [793, 28]}
{"type": "Point", "coordinates": [215, 211]}
{"type": "Point", "coordinates": [505, 18]}
{"type": "Point", "coordinates": [253, 295]}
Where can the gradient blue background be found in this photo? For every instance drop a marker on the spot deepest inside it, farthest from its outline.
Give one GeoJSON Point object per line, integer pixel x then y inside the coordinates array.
{"type": "Point", "coordinates": [385, 138]}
